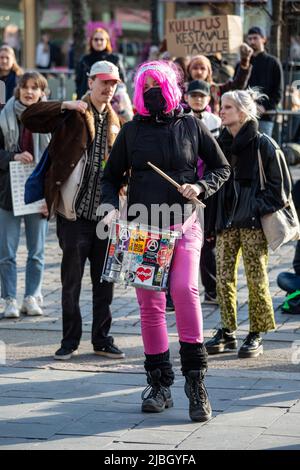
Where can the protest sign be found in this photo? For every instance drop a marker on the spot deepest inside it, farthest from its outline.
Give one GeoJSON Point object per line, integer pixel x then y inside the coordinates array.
{"type": "Point", "coordinates": [205, 36]}
{"type": "Point", "coordinates": [19, 173]}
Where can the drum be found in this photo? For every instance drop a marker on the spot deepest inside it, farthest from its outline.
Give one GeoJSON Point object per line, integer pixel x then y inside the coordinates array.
{"type": "Point", "coordinates": [139, 256]}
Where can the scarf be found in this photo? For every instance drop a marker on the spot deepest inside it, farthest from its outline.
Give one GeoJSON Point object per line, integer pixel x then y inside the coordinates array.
{"type": "Point", "coordinates": [113, 124]}
{"type": "Point", "coordinates": [240, 150]}
{"type": "Point", "coordinates": [9, 123]}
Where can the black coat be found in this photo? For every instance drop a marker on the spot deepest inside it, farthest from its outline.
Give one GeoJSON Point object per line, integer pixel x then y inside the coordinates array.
{"type": "Point", "coordinates": [85, 65]}
{"type": "Point", "coordinates": [10, 83]}
{"type": "Point", "coordinates": [173, 144]}
{"type": "Point", "coordinates": [267, 76]}
{"type": "Point", "coordinates": [240, 202]}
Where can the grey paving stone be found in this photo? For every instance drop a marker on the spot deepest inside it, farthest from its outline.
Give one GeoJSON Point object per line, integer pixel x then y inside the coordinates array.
{"type": "Point", "coordinates": [286, 425]}
{"type": "Point", "coordinates": [10, 408]}
{"type": "Point", "coordinates": [153, 436]}
{"type": "Point", "coordinates": [105, 424]}
{"type": "Point", "coordinates": [61, 442]}
{"type": "Point", "coordinates": [127, 446]}
{"type": "Point", "coordinates": [273, 384]}
{"type": "Point", "coordinates": [211, 437]}
{"type": "Point", "coordinates": [265, 442]}
{"type": "Point", "coordinates": [282, 399]}
{"type": "Point", "coordinates": [246, 416]}
{"type": "Point", "coordinates": [295, 408]}
{"type": "Point", "coordinates": [27, 430]}
{"type": "Point", "coordinates": [172, 420]}
{"type": "Point", "coordinates": [229, 382]}
{"type": "Point", "coordinates": [10, 443]}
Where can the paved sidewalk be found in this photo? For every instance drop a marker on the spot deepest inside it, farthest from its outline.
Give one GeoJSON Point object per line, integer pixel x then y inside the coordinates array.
{"type": "Point", "coordinates": [94, 403]}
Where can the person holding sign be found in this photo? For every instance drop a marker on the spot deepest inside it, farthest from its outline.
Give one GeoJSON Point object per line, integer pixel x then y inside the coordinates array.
{"type": "Point", "coordinates": [164, 135]}
{"type": "Point", "coordinates": [200, 68]}
{"type": "Point", "coordinates": [18, 144]}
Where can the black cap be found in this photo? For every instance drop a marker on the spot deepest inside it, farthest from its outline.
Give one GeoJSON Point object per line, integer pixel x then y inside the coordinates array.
{"type": "Point", "coordinates": [199, 85]}
{"type": "Point", "coordinates": [257, 30]}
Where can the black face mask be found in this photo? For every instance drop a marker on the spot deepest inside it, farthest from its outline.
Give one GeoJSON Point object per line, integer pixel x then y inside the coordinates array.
{"type": "Point", "coordinates": [154, 100]}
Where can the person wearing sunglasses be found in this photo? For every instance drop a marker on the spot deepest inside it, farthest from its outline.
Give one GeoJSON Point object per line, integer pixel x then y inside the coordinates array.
{"type": "Point", "coordinates": [99, 49]}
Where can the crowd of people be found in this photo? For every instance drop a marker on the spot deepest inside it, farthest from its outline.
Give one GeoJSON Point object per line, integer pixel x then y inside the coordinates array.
{"type": "Point", "coordinates": [205, 136]}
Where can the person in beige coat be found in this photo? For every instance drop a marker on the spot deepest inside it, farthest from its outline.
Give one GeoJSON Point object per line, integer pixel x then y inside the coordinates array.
{"type": "Point", "coordinates": [83, 134]}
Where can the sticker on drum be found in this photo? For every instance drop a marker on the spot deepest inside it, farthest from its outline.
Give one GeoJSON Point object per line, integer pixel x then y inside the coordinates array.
{"type": "Point", "coordinates": [144, 276]}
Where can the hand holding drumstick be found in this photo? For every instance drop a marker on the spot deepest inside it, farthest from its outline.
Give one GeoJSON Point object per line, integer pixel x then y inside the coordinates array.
{"type": "Point", "coordinates": [190, 191]}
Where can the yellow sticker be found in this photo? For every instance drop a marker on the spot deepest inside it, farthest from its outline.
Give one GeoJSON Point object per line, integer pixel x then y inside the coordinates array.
{"type": "Point", "coordinates": [137, 242]}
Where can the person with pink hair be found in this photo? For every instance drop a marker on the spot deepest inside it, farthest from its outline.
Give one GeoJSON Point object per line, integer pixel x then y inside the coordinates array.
{"type": "Point", "coordinates": [162, 133]}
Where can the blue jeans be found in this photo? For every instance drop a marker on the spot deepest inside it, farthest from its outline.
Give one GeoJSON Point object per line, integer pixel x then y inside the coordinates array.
{"type": "Point", "coordinates": [266, 127]}
{"type": "Point", "coordinates": [35, 230]}
{"type": "Point", "coordinates": [289, 282]}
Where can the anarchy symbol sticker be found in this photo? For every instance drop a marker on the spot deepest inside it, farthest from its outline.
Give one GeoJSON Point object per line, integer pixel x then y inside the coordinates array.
{"type": "Point", "coordinates": [152, 245]}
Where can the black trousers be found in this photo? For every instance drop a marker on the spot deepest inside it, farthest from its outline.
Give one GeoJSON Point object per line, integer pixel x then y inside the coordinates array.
{"type": "Point", "coordinates": [208, 267]}
{"type": "Point", "coordinates": [79, 242]}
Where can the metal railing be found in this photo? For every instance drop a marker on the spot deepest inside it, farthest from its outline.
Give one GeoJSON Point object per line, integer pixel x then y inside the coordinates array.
{"type": "Point", "coordinates": [285, 123]}
{"type": "Point", "coordinates": [61, 82]}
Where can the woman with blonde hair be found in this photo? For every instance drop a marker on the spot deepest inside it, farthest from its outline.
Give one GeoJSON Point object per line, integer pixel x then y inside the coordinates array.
{"type": "Point", "coordinates": [239, 206]}
{"type": "Point", "coordinates": [9, 69]}
{"type": "Point", "coordinates": [200, 68]}
{"type": "Point", "coordinates": [99, 49]}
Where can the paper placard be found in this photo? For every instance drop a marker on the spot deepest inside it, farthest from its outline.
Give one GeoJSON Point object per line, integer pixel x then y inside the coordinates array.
{"type": "Point", "coordinates": [19, 173]}
{"type": "Point", "coordinates": [204, 36]}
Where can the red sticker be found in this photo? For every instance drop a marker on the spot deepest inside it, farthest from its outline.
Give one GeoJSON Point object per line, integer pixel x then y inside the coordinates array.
{"type": "Point", "coordinates": [144, 273]}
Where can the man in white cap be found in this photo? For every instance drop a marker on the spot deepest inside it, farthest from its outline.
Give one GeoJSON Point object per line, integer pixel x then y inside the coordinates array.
{"type": "Point", "coordinates": [83, 134]}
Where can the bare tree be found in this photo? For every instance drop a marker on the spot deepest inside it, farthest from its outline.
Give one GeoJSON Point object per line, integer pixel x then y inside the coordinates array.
{"type": "Point", "coordinates": [276, 28]}
{"type": "Point", "coordinates": [154, 22]}
{"type": "Point", "coordinates": [79, 16]}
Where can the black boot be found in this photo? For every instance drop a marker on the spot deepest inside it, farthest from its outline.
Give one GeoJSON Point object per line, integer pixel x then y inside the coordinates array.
{"type": "Point", "coordinates": [252, 346]}
{"type": "Point", "coordinates": [160, 377]}
{"type": "Point", "coordinates": [159, 397]}
{"type": "Point", "coordinates": [223, 341]}
{"type": "Point", "coordinates": [200, 409]}
{"type": "Point", "coordinates": [194, 366]}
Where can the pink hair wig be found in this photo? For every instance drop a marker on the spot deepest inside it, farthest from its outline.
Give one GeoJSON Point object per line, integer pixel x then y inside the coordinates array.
{"type": "Point", "coordinates": [166, 76]}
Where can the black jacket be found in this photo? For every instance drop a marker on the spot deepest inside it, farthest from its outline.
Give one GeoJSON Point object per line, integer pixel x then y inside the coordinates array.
{"type": "Point", "coordinates": [267, 75]}
{"type": "Point", "coordinates": [172, 143]}
{"type": "Point", "coordinates": [10, 83]}
{"type": "Point", "coordinates": [85, 65]}
{"type": "Point", "coordinates": [5, 188]}
{"type": "Point", "coordinates": [240, 202]}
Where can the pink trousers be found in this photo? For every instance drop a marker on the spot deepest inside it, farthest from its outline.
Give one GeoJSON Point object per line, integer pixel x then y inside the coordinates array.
{"type": "Point", "coordinates": [185, 295]}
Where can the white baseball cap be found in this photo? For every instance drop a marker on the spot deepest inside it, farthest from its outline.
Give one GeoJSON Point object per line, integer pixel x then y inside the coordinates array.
{"type": "Point", "coordinates": [105, 71]}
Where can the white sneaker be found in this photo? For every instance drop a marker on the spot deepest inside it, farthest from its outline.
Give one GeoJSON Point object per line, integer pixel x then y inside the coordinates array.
{"type": "Point", "coordinates": [31, 307]}
{"type": "Point", "coordinates": [11, 308]}
{"type": "Point", "coordinates": [40, 300]}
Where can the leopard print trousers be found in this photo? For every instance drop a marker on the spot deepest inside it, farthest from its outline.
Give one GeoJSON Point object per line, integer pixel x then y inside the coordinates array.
{"type": "Point", "coordinates": [252, 244]}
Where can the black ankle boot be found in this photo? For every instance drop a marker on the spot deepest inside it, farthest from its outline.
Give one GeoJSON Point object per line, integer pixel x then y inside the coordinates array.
{"type": "Point", "coordinates": [199, 408]}
{"type": "Point", "coordinates": [252, 346]}
{"type": "Point", "coordinates": [159, 396]}
{"type": "Point", "coordinates": [223, 341]}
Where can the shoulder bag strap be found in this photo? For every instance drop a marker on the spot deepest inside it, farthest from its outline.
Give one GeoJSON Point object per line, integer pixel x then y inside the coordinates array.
{"type": "Point", "coordinates": [262, 175]}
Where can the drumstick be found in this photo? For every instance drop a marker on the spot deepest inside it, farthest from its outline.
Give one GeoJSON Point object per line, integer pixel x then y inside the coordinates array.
{"type": "Point", "coordinates": [173, 182]}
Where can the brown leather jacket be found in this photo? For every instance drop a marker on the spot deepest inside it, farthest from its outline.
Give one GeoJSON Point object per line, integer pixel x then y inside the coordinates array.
{"type": "Point", "coordinates": [72, 132]}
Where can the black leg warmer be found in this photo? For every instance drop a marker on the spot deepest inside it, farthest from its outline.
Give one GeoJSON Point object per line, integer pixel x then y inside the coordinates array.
{"type": "Point", "coordinates": [162, 362]}
{"type": "Point", "coordinates": [193, 357]}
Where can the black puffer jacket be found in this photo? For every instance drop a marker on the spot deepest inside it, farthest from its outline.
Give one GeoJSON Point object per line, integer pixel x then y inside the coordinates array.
{"type": "Point", "coordinates": [172, 143]}
{"type": "Point", "coordinates": [240, 202]}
